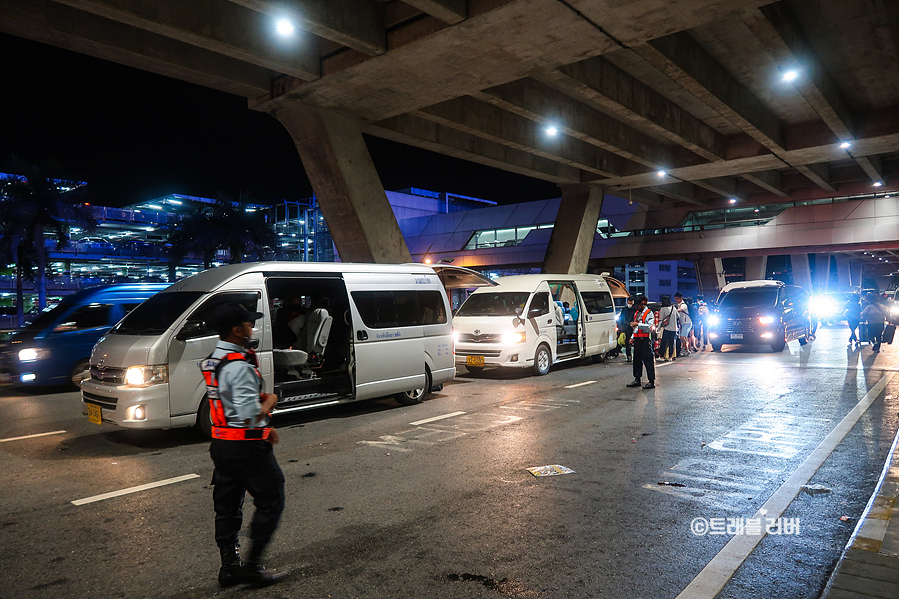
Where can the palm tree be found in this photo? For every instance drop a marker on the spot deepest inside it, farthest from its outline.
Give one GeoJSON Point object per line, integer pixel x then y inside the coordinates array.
{"type": "Point", "coordinates": [33, 205]}
{"type": "Point", "coordinates": [226, 224]}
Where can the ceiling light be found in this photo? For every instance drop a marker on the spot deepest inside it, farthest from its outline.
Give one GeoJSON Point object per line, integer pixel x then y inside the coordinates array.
{"type": "Point", "coordinates": [552, 130]}
{"type": "Point", "coordinates": [790, 75]}
{"type": "Point", "coordinates": [878, 183]}
{"type": "Point", "coordinates": [285, 27]}
{"type": "Point", "coordinates": [661, 173]}
{"type": "Point", "coordinates": [733, 200]}
{"type": "Point", "coordinates": [845, 145]}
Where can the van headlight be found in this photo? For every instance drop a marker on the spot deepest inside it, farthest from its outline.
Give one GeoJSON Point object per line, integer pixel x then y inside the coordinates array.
{"type": "Point", "coordinates": [455, 335]}
{"type": "Point", "coordinates": [766, 319]}
{"type": "Point", "coordinates": [31, 354]}
{"type": "Point", "coordinates": [141, 376]}
{"type": "Point", "coordinates": [513, 338]}
{"type": "Point", "coordinates": [714, 320]}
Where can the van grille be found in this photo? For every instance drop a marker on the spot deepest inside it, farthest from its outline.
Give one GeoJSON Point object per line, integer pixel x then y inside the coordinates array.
{"type": "Point", "coordinates": [739, 325]}
{"type": "Point", "coordinates": [487, 353]}
{"type": "Point", "coordinates": [482, 338]}
{"type": "Point", "coordinates": [109, 375]}
{"type": "Point", "coordinates": [108, 403]}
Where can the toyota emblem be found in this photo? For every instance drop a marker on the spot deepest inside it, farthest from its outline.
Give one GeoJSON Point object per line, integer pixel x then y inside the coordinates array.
{"type": "Point", "coordinates": [477, 331]}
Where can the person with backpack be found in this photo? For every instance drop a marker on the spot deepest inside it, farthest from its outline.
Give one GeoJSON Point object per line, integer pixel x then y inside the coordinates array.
{"type": "Point", "coordinates": [686, 324]}
{"type": "Point", "coordinates": [668, 328]}
{"type": "Point", "coordinates": [702, 312]}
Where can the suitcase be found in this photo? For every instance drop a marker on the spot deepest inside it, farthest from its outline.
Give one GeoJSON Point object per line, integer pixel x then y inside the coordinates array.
{"type": "Point", "coordinates": [863, 333]}
{"type": "Point", "coordinates": [888, 332]}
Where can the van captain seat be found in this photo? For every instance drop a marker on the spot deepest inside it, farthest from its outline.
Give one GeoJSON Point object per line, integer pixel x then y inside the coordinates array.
{"type": "Point", "coordinates": [310, 343]}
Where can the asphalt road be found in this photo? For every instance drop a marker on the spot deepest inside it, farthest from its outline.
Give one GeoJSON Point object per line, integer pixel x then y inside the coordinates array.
{"type": "Point", "coordinates": [380, 504]}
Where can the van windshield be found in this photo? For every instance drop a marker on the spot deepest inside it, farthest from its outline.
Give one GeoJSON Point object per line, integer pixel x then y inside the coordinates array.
{"type": "Point", "coordinates": [749, 298]}
{"type": "Point", "coordinates": [48, 315]}
{"type": "Point", "coordinates": [156, 315]}
{"type": "Point", "coordinates": [494, 304]}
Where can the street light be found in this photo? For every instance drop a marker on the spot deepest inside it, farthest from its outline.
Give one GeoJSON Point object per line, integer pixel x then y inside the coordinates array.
{"type": "Point", "coordinates": [285, 27]}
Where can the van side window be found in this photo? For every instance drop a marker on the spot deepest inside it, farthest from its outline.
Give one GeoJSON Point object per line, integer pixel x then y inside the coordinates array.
{"type": "Point", "coordinates": [91, 316]}
{"type": "Point", "coordinates": [386, 309]}
{"type": "Point", "coordinates": [598, 302]}
{"type": "Point", "coordinates": [202, 316]}
{"type": "Point", "coordinates": [541, 302]}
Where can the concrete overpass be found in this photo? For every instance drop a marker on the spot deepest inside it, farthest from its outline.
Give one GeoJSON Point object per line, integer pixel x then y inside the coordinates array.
{"type": "Point", "coordinates": [678, 105]}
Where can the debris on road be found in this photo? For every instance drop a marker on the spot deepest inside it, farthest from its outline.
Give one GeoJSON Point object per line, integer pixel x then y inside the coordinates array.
{"type": "Point", "coordinates": [814, 489]}
{"type": "Point", "coordinates": [552, 470]}
{"type": "Point", "coordinates": [670, 484]}
{"type": "Point", "coordinates": [845, 518]}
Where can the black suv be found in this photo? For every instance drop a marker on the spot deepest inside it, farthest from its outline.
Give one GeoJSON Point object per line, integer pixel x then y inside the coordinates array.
{"type": "Point", "coordinates": [760, 313]}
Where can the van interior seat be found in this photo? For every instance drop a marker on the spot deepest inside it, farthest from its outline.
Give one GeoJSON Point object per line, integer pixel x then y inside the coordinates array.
{"type": "Point", "coordinates": [310, 343]}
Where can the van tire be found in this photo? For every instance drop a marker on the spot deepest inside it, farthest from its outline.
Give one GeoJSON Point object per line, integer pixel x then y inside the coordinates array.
{"type": "Point", "coordinates": [780, 345]}
{"type": "Point", "coordinates": [204, 419]}
{"type": "Point", "coordinates": [410, 398]}
{"type": "Point", "coordinates": [80, 373]}
{"type": "Point", "coordinates": [543, 360]}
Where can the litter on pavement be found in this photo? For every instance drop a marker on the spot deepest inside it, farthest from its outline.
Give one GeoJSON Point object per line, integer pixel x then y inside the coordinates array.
{"type": "Point", "coordinates": [668, 483]}
{"type": "Point", "coordinates": [553, 470]}
{"type": "Point", "coordinates": [814, 489]}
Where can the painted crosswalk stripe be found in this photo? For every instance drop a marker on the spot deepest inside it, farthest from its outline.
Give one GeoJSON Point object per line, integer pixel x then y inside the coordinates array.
{"type": "Point", "coordinates": [579, 384]}
{"type": "Point", "coordinates": [31, 436]}
{"type": "Point", "coordinates": [436, 418]}
{"type": "Point", "coordinates": [160, 483]}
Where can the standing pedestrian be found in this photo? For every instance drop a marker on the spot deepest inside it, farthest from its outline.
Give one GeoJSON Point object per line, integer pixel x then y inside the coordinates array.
{"type": "Point", "coordinates": [669, 325]}
{"type": "Point", "coordinates": [702, 311]}
{"type": "Point", "coordinates": [853, 313]}
{"type": "Point", "coordinates": [644, 322]}
{"type": "Point", "coordinates": [875, 315]}
{"type": "Point", "coordinates": [686, 324]}
{"type": "Point", "coordinates": [626, 319]}
{"type": "Point", "coordinates": [242, 448]}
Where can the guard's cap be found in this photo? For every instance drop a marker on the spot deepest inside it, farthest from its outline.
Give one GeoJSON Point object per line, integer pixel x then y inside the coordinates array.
{"type": "Point", "coordinates": [233, 314]}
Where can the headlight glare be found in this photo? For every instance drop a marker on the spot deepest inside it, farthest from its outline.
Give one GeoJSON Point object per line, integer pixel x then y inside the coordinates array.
{"type": "Point", "coordinates": [513, 338]}
{"type": "Point", "coordinates": [714, 319]}
{"type": "Point", "coordinates": [766, 319]}
{"type": "Point", "coordinates": [141, 376]}
{"type": "Point", "coordinates": [30, 354]}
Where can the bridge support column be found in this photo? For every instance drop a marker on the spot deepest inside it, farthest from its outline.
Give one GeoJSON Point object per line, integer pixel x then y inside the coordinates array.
{"type": "Point", "coordinates": [573, 233]}
{"type": "Point", "coordinates": [844, 279]}
{"type": "Point", "coordinates": [710, 272]}
{"type": "Point", "coordinates": [345, 183]}
{"type": "Point", "coordinates": [822, 273]}
{"type": "Point", "coordinates": [756, 267]}
{"type": "Point", "coordinates": [802, 274]}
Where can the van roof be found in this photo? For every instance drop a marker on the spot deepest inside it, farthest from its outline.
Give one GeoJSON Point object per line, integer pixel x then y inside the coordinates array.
{"type": "Point", "coordinates": [147, 289]}
{"type": "Point", "coordinates": [750, 284]}
{"type": "Point", "coordinates": [212, 278]}
{"type": "Point", "coordinates": [530, 282]}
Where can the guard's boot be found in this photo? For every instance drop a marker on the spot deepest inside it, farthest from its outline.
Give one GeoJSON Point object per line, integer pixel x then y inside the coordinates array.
{"type": "Point", "coordinates": [635, 383]}
{"type": "Point", "coordinates": [254, 573]}
{"type": "Point", "coordinates": [231, 572]}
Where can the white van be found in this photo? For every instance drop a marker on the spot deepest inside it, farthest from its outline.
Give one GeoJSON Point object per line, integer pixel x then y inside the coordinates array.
{"type": "Point", "coordinates": [534, 321]}
{"type": "Point", "coordinates": [357, 331]}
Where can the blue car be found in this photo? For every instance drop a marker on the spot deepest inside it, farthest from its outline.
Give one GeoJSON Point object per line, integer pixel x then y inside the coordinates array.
{"type": "Point", "coordinates": [55, 348]}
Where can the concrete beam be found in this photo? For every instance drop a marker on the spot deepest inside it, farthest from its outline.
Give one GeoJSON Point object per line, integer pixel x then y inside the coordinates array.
{"type": "Point", "coordinates": [421, 133]}
{"type": "Point", "coordinates": [768, 180]}
{"type": "Point", "coordinates": [540, 103]}
{"type": "Point", "coordinates": [574, 231]}
{"type": "Point", "coordinates": [723, 186]}
{"type": "Point", "coordinates": [819, 174]}
{"type": "Point", "coordinates": [710, 272]}
{"type": "Point", "coordinates": [872, 165]}
{"type": "Point", "coordinates": [756, 268]}
{"type": "Point", "coordinates": [346, 184]}
{"type": "Point", "coordinates": [357, 24]}
{"type": "Point", "coordinates": [62, 26]}
{"type": "Point", "coordinates": [681, 58]}
{"type": "Point", "coordinates": [682, 191]}
{"type": "Point", "coordinates": [495, 124]}
{"type": "Point", "coordinates": [802, 273]}
{"type": "Point", "coordinates": [448, 11]}
{"type": "Point", "coordinates": [215, 25]}
{"type": "Point", "coordinates": [604, 85]}
{"type": "Point", "coordinates": [821, 281]}
{"type": "Point", "coordinates": [844, 276]}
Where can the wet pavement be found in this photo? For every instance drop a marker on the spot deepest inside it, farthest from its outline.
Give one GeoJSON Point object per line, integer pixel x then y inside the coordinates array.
{"type": "Point", "coordinates": [435, 500]}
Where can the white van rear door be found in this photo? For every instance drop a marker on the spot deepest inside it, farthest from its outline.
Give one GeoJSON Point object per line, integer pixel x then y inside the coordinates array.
{"type": "Point", "coordinates": [388, 339]}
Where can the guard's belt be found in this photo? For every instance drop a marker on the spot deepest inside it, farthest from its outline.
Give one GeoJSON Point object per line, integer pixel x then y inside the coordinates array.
{"type": "Point", "coordinates": [240, 434]}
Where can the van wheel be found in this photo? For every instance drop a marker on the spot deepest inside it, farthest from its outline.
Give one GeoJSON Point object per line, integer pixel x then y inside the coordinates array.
{"type": "Point", "coordinates": [80, 373]}
{"type": "Point", "coordinates": [410, 398]}
{"type": "Point", "coordinates": [780, 345]}
{"type": "Point", "coordinates": [204, 419]}
{"type": "Point", "coordinates": [599, 358]}
{"type": "Point", "coordinates": [543, 359]}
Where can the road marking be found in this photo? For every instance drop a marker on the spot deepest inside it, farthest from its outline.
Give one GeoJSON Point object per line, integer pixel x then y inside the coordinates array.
{"type": "Point", "coordinates": [709, 582]}
{"type": "Point", "coordinates": [435, 418]}
{"type": "Point", "coordinates": [31, 436]}
{"type": "Point", "coordinates": [579, 384]}
{"type": "Point", "coordinates": [161, 483]}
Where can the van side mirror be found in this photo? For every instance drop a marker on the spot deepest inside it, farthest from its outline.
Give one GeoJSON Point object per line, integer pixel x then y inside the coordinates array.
{"type": "Point", "coordinates": [192, 328]}
{"type": "Point", "coordinates": [534, 312]}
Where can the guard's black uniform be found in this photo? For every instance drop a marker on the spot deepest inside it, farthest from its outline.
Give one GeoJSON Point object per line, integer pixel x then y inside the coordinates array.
{"type": "Point", "coordinates": [643, 354]}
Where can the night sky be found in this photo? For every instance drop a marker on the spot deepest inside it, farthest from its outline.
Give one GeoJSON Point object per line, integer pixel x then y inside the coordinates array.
{"type": "Point", "coordinates": [134, 135]}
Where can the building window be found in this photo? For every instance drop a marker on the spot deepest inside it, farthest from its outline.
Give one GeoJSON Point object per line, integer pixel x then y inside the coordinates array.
{"type": "Point", "coordinates": [636, 276]}
{"type": "Point", "coordinates": [664, 268]}
{"type": "Point", "coordinates": [664, 282]}
{"type": "Point", "coordinates": [493, 238]}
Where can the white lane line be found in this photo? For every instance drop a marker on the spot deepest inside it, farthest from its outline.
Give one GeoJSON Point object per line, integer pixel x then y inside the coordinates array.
{"type": "Point", "coordinates": [579, 384]}
{"type": "Point", "coordinates": [436, 418]}
{"type": "Point", "coordinates": [709, 582]}
{"type": "Point", "coordinates": [31, 436]}
{"type": "Point", "coordinates": [160, 483]}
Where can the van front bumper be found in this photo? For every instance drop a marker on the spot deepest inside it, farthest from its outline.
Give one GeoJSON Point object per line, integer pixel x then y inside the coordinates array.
{"type": "Point", "coordinates": [493, 354]}
{"type": "Point", "coordinates": [119, 403]}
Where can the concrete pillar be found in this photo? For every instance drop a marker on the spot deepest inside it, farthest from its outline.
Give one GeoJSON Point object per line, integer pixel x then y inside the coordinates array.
{"type": "Point", "coordinates": [573, 232]}
{"type": "Point", "coordinates": [802, 275]}
{"type": "Point", "coordinates": [844, 279]}
{"type": "Point", "coordinates": [710, 276]}
{"type": "Point", "coordinates": [822, 273]}
{"type": "Point", "coordinates": [345, 183]}
{"type": "Point", "coordinates": [756, 267]}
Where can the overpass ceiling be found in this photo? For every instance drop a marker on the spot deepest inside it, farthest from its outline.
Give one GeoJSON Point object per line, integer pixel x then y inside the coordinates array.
{"type": "Point", "coordinates": [691, 87]}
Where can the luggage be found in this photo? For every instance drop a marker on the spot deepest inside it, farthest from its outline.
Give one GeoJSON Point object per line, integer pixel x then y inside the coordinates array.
{"type": "Point", "coordinates": [888, 332]}
{"type": "Point", "coordinates": [863, 333]}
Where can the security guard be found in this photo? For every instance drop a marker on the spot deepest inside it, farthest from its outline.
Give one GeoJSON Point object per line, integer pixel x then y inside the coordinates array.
{"type": "Point", "coordinates": [241, 449]}
{"type": "Point", "coordinates": [644, 321]}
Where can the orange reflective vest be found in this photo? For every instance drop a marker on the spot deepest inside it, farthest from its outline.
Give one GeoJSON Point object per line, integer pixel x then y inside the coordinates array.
{"type": "Point", "coordinates": [211, 367]}
{"type": "Point", "coordinates": [640, 318]}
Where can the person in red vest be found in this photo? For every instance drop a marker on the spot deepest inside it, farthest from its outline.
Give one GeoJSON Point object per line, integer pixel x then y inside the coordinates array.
{"type": "Point", "coordinates": [242, 447]}
{"type": "Point", "coordinates": [644, 322]}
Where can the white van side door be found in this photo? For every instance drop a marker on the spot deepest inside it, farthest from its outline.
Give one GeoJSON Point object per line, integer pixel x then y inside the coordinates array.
{"type": "Point", "coordinates": [388, 343]}
{"type": "Point", "coordinates": [599, 318]}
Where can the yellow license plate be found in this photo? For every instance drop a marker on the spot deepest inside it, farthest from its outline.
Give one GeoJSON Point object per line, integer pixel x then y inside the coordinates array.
{"type": "Point", "coordinates": [93, 413]}
{"type": "Point", "coordinates": [474, 360]}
